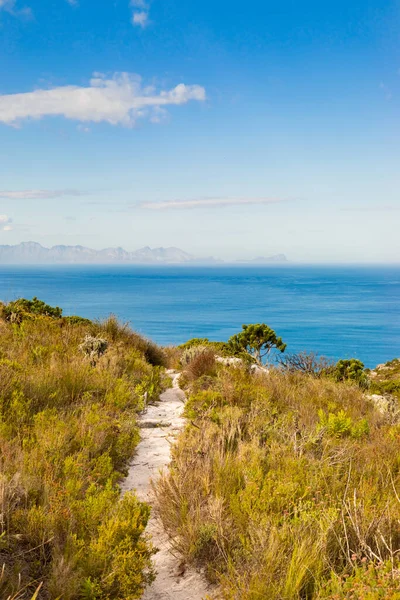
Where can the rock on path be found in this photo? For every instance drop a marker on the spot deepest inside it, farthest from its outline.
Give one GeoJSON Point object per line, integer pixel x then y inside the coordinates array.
{"type": "Point", "coordinates": [159, 425]}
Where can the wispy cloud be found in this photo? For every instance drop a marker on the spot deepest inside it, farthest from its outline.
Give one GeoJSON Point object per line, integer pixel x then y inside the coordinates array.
{"type": "Point", "coordinates": [10, 6]}
{"type": "Point", "coordinates": [121, 100]}
{"type": "Point", "coordinates": [140, 14]}
{"type": "Point", "coordinates": [207, 203]}
{"type": "Point", "coordinates": [37, 194]}
{"type": "Point", "coordinates": [5, 223]}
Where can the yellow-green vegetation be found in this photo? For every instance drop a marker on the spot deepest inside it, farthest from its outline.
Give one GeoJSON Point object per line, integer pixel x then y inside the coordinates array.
{"type": "Point", "coordinates": [385, 379]}
{"type": "Point", "coordinates": [69, 393]}
{"type": "Point", "coordinates": [285, 483]}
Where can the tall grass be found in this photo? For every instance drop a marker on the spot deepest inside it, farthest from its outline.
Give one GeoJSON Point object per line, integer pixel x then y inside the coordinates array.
{"type": "Point", "coordinates": [286, 486]}
{"type": "Point", "coordinates": [67, 431]}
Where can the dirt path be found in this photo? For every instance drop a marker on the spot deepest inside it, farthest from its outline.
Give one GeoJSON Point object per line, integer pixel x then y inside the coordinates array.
{"type": "Point", "coordinates": [159, 425]}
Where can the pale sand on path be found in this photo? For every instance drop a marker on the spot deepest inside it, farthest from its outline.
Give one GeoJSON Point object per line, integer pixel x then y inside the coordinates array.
{"type": "Point", "coordinates": [159, 425]}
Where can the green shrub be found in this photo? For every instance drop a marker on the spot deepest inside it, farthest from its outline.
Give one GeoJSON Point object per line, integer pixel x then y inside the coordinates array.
{"type": "Point", "coordinates": [191, 353]}
{"type": "Point", "coordinates": [75, 320]}
{"type": "Point", "coordinates": [220, 348]}
{"type": "Point", "coordinates": [368, 581]}
{"type": "Point", "coordinates": [22, 308]}
{"type": "Point", "coordinates": [278, 479]}
{"type": "Point", "coordinates": [351, 370]}
{"type": "Point", "coordinates": [67, 433]}
{"type": "Point", "coordinates": [341, 425]}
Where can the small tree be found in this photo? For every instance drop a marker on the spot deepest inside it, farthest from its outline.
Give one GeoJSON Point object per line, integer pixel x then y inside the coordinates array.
{"type": "Point", "coordinates": [257, 341]}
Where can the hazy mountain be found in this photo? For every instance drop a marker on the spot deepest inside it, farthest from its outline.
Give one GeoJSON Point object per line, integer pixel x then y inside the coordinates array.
{"type": "Point", "coordinates": [163, 255]}
{"type": "Point", "coordinates": [269, 259]}
{"type": "Point", "coordinates": [34, 253]}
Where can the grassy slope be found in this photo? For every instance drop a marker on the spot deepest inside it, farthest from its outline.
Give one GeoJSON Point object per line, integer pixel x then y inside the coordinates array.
{"type": "Point", "coordinates": [286, 486]}
{"type": "Point", "coordinates": [67, 430]}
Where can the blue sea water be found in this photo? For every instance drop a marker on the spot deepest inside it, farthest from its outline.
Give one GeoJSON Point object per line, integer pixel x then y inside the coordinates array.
{"type": "Point", "coordinates": [337, 311]}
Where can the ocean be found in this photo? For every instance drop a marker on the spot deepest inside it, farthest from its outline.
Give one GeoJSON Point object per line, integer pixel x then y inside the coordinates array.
{"type": "Point", "coordinates": [336, 311]}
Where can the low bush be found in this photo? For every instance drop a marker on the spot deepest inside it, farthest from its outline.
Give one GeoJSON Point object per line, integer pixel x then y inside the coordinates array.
{"type": "Point", "coordinates": [203, 364]}
{"type": "Point", "coordinates": [308, 363]}
{"type": "Point", "coordinates": [21, 309]}
{"type": "Point", "coordinates": [220, 348]}
{"type": "Point", "coordinates": [285, 486]}
{"type": "Point", "coordinates": [351, 370]}
{"type": "Point", "coordinates": [67, 432]}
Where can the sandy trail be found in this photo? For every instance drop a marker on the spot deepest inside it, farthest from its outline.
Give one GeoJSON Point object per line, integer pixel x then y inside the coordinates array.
{"type": "Point", "coordinates": [159, 425]}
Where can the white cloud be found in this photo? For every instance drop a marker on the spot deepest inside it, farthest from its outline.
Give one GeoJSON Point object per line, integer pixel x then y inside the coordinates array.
{"type": "Point", "coordinates": [120, 100]}
{"type": "Point", "coordinates": [207, 203]}
{"type": "Point", "coordinates": [37, 194]}
{"type": "Point", "coordinates": [140, 18]}
{"type": "Point", "coordinates": [5, 223]}
{"type": "Point", "coordinates": [140, 15]}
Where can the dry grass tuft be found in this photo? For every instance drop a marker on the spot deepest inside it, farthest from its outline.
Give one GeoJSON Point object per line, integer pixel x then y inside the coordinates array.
{"type": "Point", "coordinates": [286, 486]}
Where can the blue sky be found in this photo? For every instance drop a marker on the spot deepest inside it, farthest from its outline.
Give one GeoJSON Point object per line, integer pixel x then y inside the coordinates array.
{"type": "Point", "coordinates": [232, 129]}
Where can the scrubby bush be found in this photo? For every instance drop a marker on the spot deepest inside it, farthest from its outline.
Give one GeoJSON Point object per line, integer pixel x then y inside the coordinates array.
{"type": "Point", "coordinates": [351, 370]}
{"type": "Point", "coordinates": [198, 361]}
{"type": "Point", "coordinates": [385, 379]}
{"type": "Point", "coordinates": [155, 355]}
{"type": "Point", "coordinates": [93, 347]}
{"type": "Point", "coordinates": [367, 581]}
{"type": "Point", "coordinates": [67, 433]}
{"type": "Point", "coordinates": [202, 364]}
{"type": "Point", "coordinates": [172, 356]}
{"type": "Point", "coordinates": [284, 486]}
{"type": "Point", "coordinates": [17, 311]}
{"type": "Point", "coordinates": [194, 342]}
{"type": "Point", "coordinates": [220, 348]}
{"type": "Point", "coordinates": [192, 352]}
{"type": "Point", "coordinates": [75, 320]}
{"type": "Point", "coordinates": [115, 331]}
{"type": "Point", "coordinates": [308, 363]}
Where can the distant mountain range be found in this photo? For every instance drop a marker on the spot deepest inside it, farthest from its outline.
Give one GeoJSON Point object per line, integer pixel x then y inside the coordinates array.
{"type": "Point", "coordinates": [276, 258]}
{"type": "Point", "coordinates": [34, 253]}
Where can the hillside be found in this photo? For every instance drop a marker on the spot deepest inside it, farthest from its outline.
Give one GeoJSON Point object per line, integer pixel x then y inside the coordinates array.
{"type": "Point", "coordinates": [34, 253]}
{"type": "Point", "coordinates": [284, 483]}
{"type": "Point", "coordinates": [69, 394]}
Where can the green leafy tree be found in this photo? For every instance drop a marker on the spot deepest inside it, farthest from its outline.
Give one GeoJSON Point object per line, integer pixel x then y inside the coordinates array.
{"type": "Point", "coordinates": [257, 341]}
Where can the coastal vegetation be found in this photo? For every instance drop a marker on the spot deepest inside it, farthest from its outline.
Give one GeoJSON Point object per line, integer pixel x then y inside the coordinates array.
{"type": "Point", "coordinates": [70, 390]}
{"type": "Point", "coordinates": [284, 484]}
{"type": "Point", "coordinates": [257, 340]}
